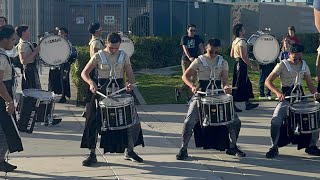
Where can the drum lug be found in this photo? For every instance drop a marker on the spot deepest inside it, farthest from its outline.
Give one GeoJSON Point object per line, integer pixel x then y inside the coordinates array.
{"type": "Point", "coordinates": [297, 130]}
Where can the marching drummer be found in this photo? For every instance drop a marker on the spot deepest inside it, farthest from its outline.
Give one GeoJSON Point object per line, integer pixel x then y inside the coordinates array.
{"type": "Point", "coordinates": [210, 58]}
{"type": "Point", "coordinates": [27, 54]}
{"type": "Point", "coordinates": [115, 140]}
{"type": "Point", "coordinates": [9, 135]}
{"type": "Point", "coordinates": [287, 70]}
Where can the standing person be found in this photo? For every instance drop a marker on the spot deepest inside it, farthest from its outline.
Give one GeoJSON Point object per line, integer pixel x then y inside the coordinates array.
{"type": "Point", "coordinates": [111, 140]}
{"type": "Point", "coordinates": [191, 44]}
{"type": "Point", "coordinates": [240, 73]}
{"type": "Point", "coordinates": [59, 81]}
{"type": "Point", "coordinates": [316, 10]}
{"type": "Point", "coordinates": [284, 53]}
{"type": "Point", "coordinates": [9, 135]}
{"type": "Point", "coordinates": [293, 38]}
{"type": "Point", "coordinates": [284, 70]}
{"type": "Point", "coordinates": [200, 65]}
{"type": "Point", "coordinates": [3, 21]}
{"type": "Point", "coordinates": [96, 43]}
{"type": "Point", "coordinates": [27, 56]}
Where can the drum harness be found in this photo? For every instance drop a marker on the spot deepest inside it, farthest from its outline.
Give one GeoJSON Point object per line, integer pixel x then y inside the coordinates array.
{"type": "Point", "coordinates": [112, 87]}
{"type": "Point", "coordinates": [296, 87]}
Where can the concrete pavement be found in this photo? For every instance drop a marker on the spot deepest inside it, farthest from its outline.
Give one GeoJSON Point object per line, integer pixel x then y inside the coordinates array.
{"type": "Point", "coordinates": [53, 152]}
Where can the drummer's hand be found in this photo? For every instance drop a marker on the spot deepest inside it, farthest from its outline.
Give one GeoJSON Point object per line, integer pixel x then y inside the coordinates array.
{"type": "Point", "coordinates": [317, 78]}
{"type": "Point", "coordinates": [193, 89]}
{"type": "Point", "coordinates": [93, 87]}
{"type": "Point", "coordinates": [280, 96]}
{"type": "Point", "coordinates": [316, 96]}
{"type": "Point", "coordinates": [10, 107]}
{"type": "Point", "coordinates": [227, 90]}
{"type": "Point", "coordinates": [129, 87]}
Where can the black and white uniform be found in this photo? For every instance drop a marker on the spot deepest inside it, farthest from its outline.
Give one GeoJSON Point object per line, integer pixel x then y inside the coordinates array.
{"type": "Point", "coordinates": [9, 136]}
{"type": "Point", "coordinates": [30, 78]}
{"type": "Point", "coordinates": [114, 141]}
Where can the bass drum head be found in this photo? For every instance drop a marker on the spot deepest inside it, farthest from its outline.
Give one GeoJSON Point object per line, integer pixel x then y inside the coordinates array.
{"type": "Point", "coordinates": [266, 49]}
{"type": "Point", "coordinates": [54, 50]}
{"type": "Point", "coordinates": [127, 45]}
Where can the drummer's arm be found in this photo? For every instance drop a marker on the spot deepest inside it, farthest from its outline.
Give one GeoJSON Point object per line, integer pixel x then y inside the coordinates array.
{"type": "Point", "coordinates": [232, 53]}
{"type": "Point", "coordinates": [310, 85]}
{"type": "Point", "coordinates": [86, 71]}
{"type": "Point", "coordinates": [186, 77]}
{"type": "Point", "coordinates": [269, 83]}
{"type": "Point", "coordinates": [129, 73]}
{"type": "Point", "coordinates": [26, 59]}
{"type": "Point", "coordinates": [3, 90]}
{"type": "Point", "coordinates": [225, 78]}
{"type": "Point", "coordinates": [243, 55]}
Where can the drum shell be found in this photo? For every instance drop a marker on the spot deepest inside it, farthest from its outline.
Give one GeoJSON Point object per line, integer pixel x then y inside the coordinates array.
{"type": "Point", "coordinates": [117, 115]}
{"type": "Point", "coordinates": [307, 115]}
{"type": "Point", "coordinates": [218, 109]}
{"type": "Point", "coordinates": [34, 109]}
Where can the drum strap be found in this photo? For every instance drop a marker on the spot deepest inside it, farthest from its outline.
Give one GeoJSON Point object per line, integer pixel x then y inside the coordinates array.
{"type": "Point", "coordinates": [288, 66]}
{"type": "Point", "coordinates": [241, 40]}
{"type": "Point", "coordinates": [105, 60]}
{"type": "Point", "coordinates": [30, 45]}
{"type": "Point", "coordinates": [205, 63]}
{"type": "Point", "coordinates": [8, 59]}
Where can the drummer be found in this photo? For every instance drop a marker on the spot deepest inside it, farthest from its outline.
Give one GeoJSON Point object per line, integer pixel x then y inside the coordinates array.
{"type": "Point", "coordinates": [192, 118]}
{"type": "Point", "coordinates": [114, 140]}
{"type": "Point", "coordinates": [9, 137]}
{"type": "Point", "coordinates": [287, 79]}
{"type": "Point", "coordinates": [27, 54]}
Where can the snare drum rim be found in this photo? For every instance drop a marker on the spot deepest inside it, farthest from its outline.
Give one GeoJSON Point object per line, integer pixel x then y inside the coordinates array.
{"type": "Point", "coordinates": [213, 100]}
{"type": "Point", "coordinates": [32, 90]}
{"type": "Point", "coordinates": [262, 61]}
{"type": "Point", "coordinates": [304, 110]}
{"type": "Point", "coordinates": [49, 62]}
{"type": "Point", "coordinates": [129, 101]}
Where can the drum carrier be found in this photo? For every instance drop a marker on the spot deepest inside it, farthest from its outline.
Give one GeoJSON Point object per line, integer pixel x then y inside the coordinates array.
{"type": "Point", "coordinates": [215, 108]}
{"type": "Point", "coordinates": [117, 110]}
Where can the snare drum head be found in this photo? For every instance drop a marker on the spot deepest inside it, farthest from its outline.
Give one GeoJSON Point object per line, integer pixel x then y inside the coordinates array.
{"type": "Point", "coordinates": [38, 94]}
{"type": "Point", "coordinates": [216, 98]}
{"type": "Point", "coordinates": [266, 49]}
{"type": "Point", "coordinates": [54, 50]}
{"type": "Point", "coordinates": [305, 106]}
{"type": "Point", "coordinates": [127, 45]}
{"type": "Point", "coordinates": [117, 100]}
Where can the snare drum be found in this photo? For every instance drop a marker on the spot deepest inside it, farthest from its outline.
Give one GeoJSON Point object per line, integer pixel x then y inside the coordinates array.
{"type": "Point", "coordinates": [216, 110]}
{"type": "Point", "coordinates": [36, 106]}
{"type": "Point", "coordinates": [304, 117]}
{"type": "Point", "coordinates": [54, 50]}
{"type": "Point", "coordinates": [263, 47]}
{"type": "Point", "coordinates": [117, 112]}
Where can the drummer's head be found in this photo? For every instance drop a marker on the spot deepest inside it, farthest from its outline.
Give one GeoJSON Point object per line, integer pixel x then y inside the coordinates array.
{"type": "Point", "coordinates": [95, 29]}
{"type": "Point", "coordinates": [291, 31]}
{"type": "Point", "coordinates": [23, 31]}
{"type": "Point", "coordinates": [295, 53]}
{"type": "Point", "coordinates": [7, 37]}
{"type": "Point", "coordinates": [63, 31]}
{"type": "Point", "coordinates": [191, 30]}
{"type": "Point", "coordinates": [113, 42]}
{"type": "Point", "coordinates": [238, 30]}
{"type": "Point", "coordinates": [3, 21]}
{"type": "Point", "coordinates": [213, 47]}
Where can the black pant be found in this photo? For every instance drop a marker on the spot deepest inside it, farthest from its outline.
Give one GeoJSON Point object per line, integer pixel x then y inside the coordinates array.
{"type": "Point", "coordinates": [266, 69]}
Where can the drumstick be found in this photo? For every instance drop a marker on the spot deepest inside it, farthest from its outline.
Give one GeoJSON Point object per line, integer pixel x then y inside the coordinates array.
{"type": "Point", "coordinates": [15, 125]}
{"type": "Point", "coordinates": [201, 92]}
{"type": "Point", "coordinates": [102, 94]}
{"type": "Point", "coordinates": [120, 90]}
{"type": "Point", "coordinates": [287, 97]}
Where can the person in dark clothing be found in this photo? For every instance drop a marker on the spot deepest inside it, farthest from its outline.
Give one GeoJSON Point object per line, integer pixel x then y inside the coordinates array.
{"type": "Point", "coordinates": [191, 45]}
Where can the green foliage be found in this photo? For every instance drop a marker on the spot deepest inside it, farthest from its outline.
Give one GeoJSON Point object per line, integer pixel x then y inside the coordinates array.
{"type": "Point", "coordinates": [155, 52]}
{"type": "Point", "coordinates": [310, 41]}
{"type": "Point", "coordinates": [76, 69]}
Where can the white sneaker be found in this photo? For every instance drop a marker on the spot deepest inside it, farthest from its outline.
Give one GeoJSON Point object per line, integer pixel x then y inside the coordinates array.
{"type": "Point", "coordinates": [269, 98]}
{"type": "Point", "coordinates": [262, 97]}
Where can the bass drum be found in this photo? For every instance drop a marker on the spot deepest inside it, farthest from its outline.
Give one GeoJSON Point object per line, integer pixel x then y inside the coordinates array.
{"type": "Point", "coordinates": [263, 47]}
{"type": "Point", "coordinates": [127, 45]}
{"type": "Point", "coordinates": [54, 50]}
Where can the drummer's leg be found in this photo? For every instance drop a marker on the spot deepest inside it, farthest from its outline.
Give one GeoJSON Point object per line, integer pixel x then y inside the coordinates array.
{"type": "Point", "coordinates": [234, 130]}
{"type": "Point", "coordinates": [133, 135]}
{"type": "Point", "coordinates": [313, 149]}
{"type": "Point", "coordinates": [190, 121]}
{"type": "Point", "coordinates": [314, 139]}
